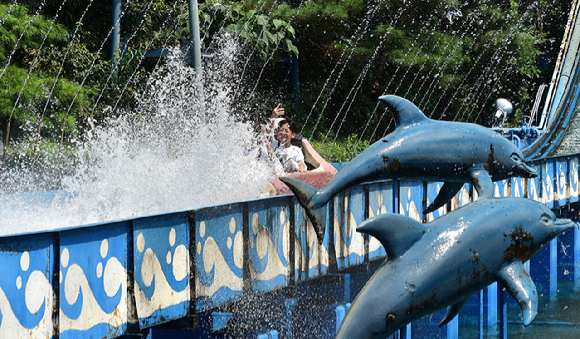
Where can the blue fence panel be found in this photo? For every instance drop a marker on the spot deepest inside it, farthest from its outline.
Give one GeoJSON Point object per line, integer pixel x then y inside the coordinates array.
{"type": "Point", "coordinates": [380, 202]}
{"type": "Point", "coordinates": [348, 214]}
{"type": "Point", "coordinates": [462, 197]}
{"type": "Point", "coordinates": [533, 189]}
{"type": "Point", "coordinates": [433, 189]}
{"type": "Point", "coordinates": [311, 257]}
{"type": "Point", "coordinates": [219, 255]}
{"type": "Point", "coordinates": [162, 266]}
{"type": "Point", "coordinates": [411, 195]}
{"type": "Point", "coordinates": [501, 188]}
{"type": "Point", "coordinates": [567, 255]}
{"type": "Point", "coordinates": [26, 292]}
{"type": "Point", "coordinates": [573, 178]}
{"type": "Point", "coordinates": [518, 187]}
{"type": "Point", "coordinates": [93, 290]}
{"type": "Point", "coordinates": [270, 229]}
{"type": "Point", "coordinates": [561, 186]}
{"type": "Point", "coordinates": [543, 268]}
{"type": "Point", "coordinates": [548, 182]}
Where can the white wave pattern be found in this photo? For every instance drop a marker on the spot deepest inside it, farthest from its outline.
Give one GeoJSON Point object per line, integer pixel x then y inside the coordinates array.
{"type": "Point", "coordinates": [38, 289]}
{"type": "Point", "coordinates": [548, 190]}
{"type": "Point", "coordinates": [563, 188]}
{"type": "Point", "coordinates": [357, 240]}
{"type": "Point", "coordinates": [265, 246]}
{"type": "Point", "coordinates": [164, 296]}
{"type": "Point", "coordinates": [318, 251]}
{"type": "Point", "coordinates": [224, 277]}
{"type": "Point", "coordinates": [533, 191]}
{"type": "Point", "coordinates": [464, 196]}
{"type": "Point", "coordinates": [516, 189]}
{"type": "Point", "coordinates": [92, 314]}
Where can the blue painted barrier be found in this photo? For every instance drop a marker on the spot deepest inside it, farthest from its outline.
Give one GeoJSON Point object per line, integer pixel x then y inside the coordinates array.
{"type": "Point", "coordinates": [182, 272]}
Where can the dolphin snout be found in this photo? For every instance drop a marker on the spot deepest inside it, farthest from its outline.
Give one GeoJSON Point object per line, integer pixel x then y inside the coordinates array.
{"type": "Point", "coordinates": [563, 224]}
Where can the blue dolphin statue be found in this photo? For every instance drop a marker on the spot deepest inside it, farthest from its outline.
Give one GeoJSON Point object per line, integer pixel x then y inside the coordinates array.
{"type": "Point", "coordinates": [443, 263]}
{"type": "Point", "coordinates": [422, 149]}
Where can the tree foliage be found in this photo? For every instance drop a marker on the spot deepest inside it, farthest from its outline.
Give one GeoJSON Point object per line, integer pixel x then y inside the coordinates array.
{"type": "Point", "coordinates": [451, 58]}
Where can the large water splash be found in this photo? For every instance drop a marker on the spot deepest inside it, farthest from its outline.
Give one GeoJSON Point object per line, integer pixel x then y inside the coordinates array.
{"type": "Point", "coordinates": [162, 156]}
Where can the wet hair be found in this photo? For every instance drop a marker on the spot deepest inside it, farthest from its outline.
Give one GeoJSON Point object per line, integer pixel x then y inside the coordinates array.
{"type": "Point", "coordinates": [291, 124]}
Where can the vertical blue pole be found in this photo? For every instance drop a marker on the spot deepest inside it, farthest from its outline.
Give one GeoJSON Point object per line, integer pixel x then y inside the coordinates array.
{"type": "Point", "coordinates": [576, 253]}
{"type": "Point", "coordinates": [492, 306]}
{"type": "Point", "coordinates": [290, 304]}
{"type": "Point", "coordinates": [502, 312]}
{"type": "Point", "coordinates": [553, 265]}
{"type": "Point", "coordinates": [480, 316]}
{"type": "Point", "coordinates": [116, 35]}
{"type": "Point", "coordinates": [396, 195]}
{"type": "Point", "coordinates": [347, 288]}
{"type": "Point", "coordinates": [453, 328]}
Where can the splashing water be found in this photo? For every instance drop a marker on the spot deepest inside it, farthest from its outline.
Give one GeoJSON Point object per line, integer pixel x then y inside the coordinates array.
{"type": "Point", "coordinates": [160, 157]}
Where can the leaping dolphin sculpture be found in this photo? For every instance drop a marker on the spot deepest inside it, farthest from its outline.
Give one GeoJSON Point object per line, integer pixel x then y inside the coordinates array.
{"type": "Point", "coordinates": [440, 264]}
{"type": "Point", "coordinates": [422, 149]}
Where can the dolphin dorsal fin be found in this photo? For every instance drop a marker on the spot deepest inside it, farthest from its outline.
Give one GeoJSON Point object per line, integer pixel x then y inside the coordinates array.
{"type": "Point", "coordinates": [404, 111]}
{"type": "Point", "coordinates": [396, 232]}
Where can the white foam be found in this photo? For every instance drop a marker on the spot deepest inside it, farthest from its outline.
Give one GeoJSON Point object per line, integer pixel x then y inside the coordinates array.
{"type": "Point", "coordinates": [158, 158]}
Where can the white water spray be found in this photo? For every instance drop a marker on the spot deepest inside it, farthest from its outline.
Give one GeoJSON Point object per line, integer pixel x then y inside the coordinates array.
{"type": "Point", "coordinates": [157, 158]}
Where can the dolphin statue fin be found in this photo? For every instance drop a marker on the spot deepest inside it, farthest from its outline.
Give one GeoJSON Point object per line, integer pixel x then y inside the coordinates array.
{"type": "Point", "coordinates": [446, 193]}
{"type": "Point", "coordinates": [396, 232]}
{"type": "Point", "coordinates": [482, 182]}
{"type": "Point", "coordinates": [518, 283]}
{"type": "Point", "coordinates": [452, 312]}
{"type": "Point", "coordinates": [404, 111]}
{"type": "Point", "coordinates": [305, 195]}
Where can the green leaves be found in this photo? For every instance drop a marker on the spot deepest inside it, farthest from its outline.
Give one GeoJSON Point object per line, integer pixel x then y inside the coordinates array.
{"type": "Point", "coordinates": [271, 35]}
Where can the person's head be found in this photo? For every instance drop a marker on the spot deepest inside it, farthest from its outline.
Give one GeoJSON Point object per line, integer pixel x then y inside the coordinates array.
{"type": "Point", "coordinates": [287, 130]}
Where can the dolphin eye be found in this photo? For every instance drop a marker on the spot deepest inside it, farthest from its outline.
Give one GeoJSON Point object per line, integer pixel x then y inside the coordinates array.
{"type": "Point", "coordinates": [546, 218]}
{"type": "Point", "coordinates": [516, 157]}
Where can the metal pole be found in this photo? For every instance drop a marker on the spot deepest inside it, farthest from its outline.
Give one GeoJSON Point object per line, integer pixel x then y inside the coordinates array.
{"type": "Point", "coordinates": [195, 48]}
{"type": "Point", "coordinates": [195, 54]}
{"type": "Point", "coordinates": [116, 37]}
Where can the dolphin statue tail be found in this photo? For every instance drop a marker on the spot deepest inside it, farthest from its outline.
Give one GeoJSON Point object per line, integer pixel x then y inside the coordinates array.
{"type": "Point", "coordinates": [313, 201]}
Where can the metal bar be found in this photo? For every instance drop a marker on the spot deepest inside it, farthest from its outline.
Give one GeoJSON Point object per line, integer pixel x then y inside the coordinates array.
{"type": "Point", "coordinates": [291, 249]}
{"type": "Point", "coordinates": [116, 36]}
{"type": "Point", "coordinates": [247, 274]}
{"type": "Point", "coordinates": [132, 317]}
{"type": "Point", "coordinates": [192, 259]}
{"type": "Point", "coordinates": [195, 53]}
{"type": "Point", "coordinates": [56, 286]}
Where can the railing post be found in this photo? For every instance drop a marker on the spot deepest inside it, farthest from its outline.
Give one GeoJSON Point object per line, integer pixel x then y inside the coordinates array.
{"type": "Point", "coordinates": [116, 35]}
{"type": "Point", "coordinates": [195, 54]}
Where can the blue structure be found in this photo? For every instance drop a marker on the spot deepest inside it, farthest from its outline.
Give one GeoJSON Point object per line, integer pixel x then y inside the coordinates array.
{"type": "Point", "coordinates": [208, 272]}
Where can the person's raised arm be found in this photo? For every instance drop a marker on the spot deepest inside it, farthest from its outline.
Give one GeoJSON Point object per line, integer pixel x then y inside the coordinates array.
{"type": "Point", "coordinates": [277, 112]}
